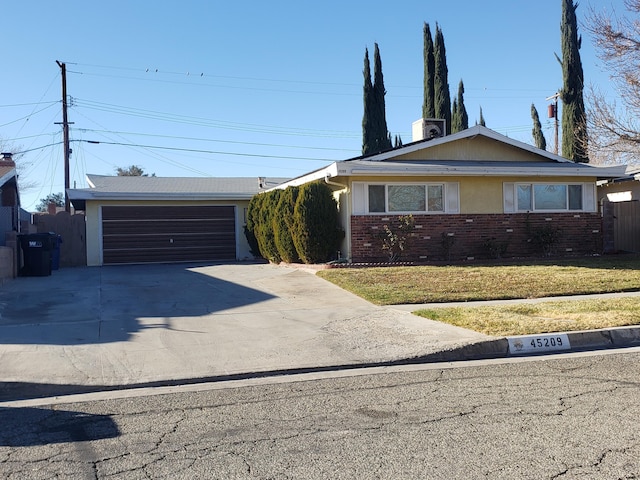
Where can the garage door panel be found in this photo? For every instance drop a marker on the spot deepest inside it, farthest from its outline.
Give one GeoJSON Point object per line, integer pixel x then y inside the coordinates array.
{"type": "Point", "coordinates": [163, 212]}
{"type": "Point", "coordinates": [131, 227]}
{"type": "Point", "coordinates": [168, 241]}
{"type": "Point", "coordinates": [151, 255]}
{"type": "Point", "coordinates": [156, 234]}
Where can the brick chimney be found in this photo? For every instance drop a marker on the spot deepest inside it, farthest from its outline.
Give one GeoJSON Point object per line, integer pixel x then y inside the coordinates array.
{"type": "Point", "coordinates": [7, 160]}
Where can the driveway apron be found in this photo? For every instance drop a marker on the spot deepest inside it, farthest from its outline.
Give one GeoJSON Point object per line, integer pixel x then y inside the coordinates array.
{"type": "Point", "coordinates": [134, 324]}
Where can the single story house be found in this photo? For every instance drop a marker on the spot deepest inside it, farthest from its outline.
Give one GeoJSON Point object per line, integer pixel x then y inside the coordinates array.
{"type": "Point", "coordinates": [622, 212]}
{"type": "Point", "coordinates": [473, 194]}
{"type": "Point", "coordinates": [625, 188]}
{"type": "Point", "coordinates": [155, 219]}
{"type": "Point", "coordinates": [9, 198]}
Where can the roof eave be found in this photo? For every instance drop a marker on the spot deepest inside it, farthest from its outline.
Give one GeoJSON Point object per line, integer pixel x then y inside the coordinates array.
{"type": "Point", "coordinates": [408, 170]}
{"type": "Point", "coordinates": [92, 195]}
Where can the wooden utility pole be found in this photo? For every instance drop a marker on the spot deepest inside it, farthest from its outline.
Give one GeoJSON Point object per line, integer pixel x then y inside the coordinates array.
{"type": "Point", "coordinates": [555, 117]}
{"type": "Point", "coordinates": [65, 135]}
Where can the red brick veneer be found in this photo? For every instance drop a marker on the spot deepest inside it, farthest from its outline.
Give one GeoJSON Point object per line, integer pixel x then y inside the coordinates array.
{"type": "Point", "coordinates": [580, 234]}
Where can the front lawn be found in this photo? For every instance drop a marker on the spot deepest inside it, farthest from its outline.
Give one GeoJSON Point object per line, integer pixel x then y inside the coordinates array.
{"type": "Point", "coordinates": [534, 279]}
{"type": "Point", "coordinates": [435, 284]}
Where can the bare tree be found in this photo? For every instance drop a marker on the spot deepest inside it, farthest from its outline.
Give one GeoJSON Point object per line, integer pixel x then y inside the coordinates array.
{"type": "Point", "coordinates": [614, 129]}
{"type": "Point", "coordinates": [21, 165]}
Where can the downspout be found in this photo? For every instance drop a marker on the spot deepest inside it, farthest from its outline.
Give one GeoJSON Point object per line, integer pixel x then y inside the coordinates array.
{"type": "Point", "coordinates": [336, 184]}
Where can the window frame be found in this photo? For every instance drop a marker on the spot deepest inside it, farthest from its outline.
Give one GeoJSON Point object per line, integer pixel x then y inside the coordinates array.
{"type": "Point", "coordinates": [584, 200]}
{"type": "Point", "coordinates": [447, 191]}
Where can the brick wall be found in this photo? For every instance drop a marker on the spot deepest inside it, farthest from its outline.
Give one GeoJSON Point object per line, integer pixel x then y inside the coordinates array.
{"type": "Point", "coordinates": [476, 237]}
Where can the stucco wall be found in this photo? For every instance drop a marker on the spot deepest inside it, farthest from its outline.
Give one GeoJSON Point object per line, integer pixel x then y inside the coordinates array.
{"type": "Point", "coordinates": [94, 226]}
{"type": "Point", "coordinates": [7, 264]}
{"type": "Point", "coordinates": [475, 148]}
{"type": "Point", "coordinates": [630, 191]}
{"type": "Point", "coordinates": [471, 236]}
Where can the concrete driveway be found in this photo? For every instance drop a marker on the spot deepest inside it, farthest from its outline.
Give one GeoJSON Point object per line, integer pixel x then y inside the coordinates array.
{"type": "Point", "coordinates": [131, 325]}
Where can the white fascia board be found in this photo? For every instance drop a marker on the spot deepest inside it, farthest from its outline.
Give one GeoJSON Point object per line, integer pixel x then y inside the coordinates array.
{"type": "Point", "coordinates": [97, 196]}
{"type": "Point", "coordinates": [326, 172]}
{"type": "Point", "coordinates": [550, 171]}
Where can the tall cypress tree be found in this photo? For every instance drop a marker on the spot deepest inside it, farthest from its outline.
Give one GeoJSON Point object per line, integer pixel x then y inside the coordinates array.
{"type": "Point", "coordinates": [442, 96]}
{"type": "Point", "coordinates": [462, 110]}
{"type": "Point", "coordinates": [574, 121]}
{"type": "Point", "coordinates": [367, 117]}
{"type": "Point", "coordinates": [455, 117]}
{"type": "Point", "coordinates": [428, 106]}
{"type": "Point", "coordinates": [538, 136]}
{"type": "Point", "coordinates": [459, 116]}
{"type": "Point", "coordinates": [382, 137]}
{"type": "Point", "coordinates": [481, 122]}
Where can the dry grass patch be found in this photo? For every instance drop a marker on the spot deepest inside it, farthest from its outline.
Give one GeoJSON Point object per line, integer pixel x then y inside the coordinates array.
{"type": "Point", "coordinates": [545, 317]}
{"type": "Point", "coordinates": [431, 284]}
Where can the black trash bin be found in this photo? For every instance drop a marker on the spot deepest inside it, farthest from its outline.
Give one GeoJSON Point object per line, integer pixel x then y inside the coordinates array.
{"type": "Point", "coordinates": [55, 250]}
{"type": "Point", "coordinates": [36, 254]}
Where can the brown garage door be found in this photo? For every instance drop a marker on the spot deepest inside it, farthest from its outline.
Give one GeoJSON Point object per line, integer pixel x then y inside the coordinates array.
{"type": "Point", "coordinates": [156, 234]}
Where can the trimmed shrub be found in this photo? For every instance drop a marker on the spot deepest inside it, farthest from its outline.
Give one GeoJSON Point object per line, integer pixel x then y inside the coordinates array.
{"type": "Point", "coordinates": [316, 232]}
{"type": "Point", "coordinates": [283, 223]}
{"type": "Point", "coordinates": [264, 230]}
{"type": "Point", "coordinates": [250, 228]}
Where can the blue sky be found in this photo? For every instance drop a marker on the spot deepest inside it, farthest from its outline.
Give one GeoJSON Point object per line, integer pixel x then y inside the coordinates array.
{"type": "Point", "coordinates": [210, 88]}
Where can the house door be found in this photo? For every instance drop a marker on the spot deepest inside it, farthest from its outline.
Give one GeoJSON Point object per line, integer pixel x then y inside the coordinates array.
{"type": "Point", "coordinates": [160, 234]}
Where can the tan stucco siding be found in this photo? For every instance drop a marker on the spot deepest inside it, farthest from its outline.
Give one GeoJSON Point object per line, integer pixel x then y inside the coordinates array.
{"type": "Point", "coordinates": [94, 225]}
{"type": "Point", "coordinates": [478, 195]}
{"type": "Point", "coordinates": [620, 191]}
{"type": "Point", "coordinates": [478, 148]}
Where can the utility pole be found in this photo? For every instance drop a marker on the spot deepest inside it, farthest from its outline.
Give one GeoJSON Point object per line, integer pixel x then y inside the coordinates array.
{"type": "Point", "coordinates": [65, 135]}
{"type": "Point", "coordinates": [553, 113]}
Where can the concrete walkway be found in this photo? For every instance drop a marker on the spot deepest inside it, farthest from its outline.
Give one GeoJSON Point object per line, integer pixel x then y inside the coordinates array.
{"type": "Point", "coordinates": [92, 328]}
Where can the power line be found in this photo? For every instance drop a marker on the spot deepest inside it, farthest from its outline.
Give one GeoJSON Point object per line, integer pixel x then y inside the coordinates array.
{"type": "Point", "coordinates": [41, 147]}
{"type": "Point", "coordinates": [200, 121]}
{"type": "Point", "coordinates": [213, 152]}
{"type": "Point", "coordinates": [29, 104]}
{"type": "Point", "coordinates": [174, 137]}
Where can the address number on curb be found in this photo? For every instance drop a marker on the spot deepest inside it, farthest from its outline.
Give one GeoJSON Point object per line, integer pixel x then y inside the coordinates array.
{"type": "Point", "coordinates": [539, 343]}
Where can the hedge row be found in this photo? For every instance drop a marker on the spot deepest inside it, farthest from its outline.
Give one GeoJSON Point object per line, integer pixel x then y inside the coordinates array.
{"type": "Point", "coordinates": [295, 224]}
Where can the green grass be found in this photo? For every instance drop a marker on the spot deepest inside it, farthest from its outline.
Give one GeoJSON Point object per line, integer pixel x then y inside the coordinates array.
{"type": "Point", "coordinates": [434, 284]}
{"type": "Point", "coordinates": [526, 319]}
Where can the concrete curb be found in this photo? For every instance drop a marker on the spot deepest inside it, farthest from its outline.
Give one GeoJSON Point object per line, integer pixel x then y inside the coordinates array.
{"type": "Point", "coordinates": [619, 337]}
{"type": "Point", "coordinates": [588, 340]}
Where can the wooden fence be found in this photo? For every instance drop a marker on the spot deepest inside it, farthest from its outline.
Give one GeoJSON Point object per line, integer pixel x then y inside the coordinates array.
{"type": "Point", "coordinates": [72, 230]}
{"type": "Point", "coordinates": [626, 226]}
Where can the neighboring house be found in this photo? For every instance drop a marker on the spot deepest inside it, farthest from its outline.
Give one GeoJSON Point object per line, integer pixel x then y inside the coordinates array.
{"type": "Point", "coordinates": [155, 219]}
{"type": "Point", "coordinates": [621, 197]}
{"type": "Point", "coordinates": [474, 194]}
{"type": "Point", "coordinates": [625, 188]}
{"type": "Point", "coordinates": [9, 198]}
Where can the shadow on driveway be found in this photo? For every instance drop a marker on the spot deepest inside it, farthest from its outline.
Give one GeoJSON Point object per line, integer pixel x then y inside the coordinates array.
{"type": "Point", "coordinates": [94, 305]}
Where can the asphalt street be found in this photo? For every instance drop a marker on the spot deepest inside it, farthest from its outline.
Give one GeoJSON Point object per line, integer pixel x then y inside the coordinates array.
{"type": "Point", "coordinates": [561, 417]}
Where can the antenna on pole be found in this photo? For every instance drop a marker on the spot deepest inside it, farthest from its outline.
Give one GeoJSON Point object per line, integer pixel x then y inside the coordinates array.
{"type": "Point", "coordinates": [65, 135]}
{"type": "Point", "coordinates": [553, 113]}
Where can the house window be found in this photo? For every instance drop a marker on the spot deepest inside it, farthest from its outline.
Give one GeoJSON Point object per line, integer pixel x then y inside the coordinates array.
{"type": "Point", "coordinates": [410, 198]}
{"type": "Point", "coordinates": [549, 197]}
